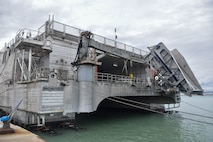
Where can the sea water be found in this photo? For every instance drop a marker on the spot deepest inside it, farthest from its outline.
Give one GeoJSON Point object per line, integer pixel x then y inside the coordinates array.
{"type": "Point", "coordinates": [114, 125]}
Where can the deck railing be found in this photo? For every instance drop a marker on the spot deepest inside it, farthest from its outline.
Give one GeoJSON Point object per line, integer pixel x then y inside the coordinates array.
{"type": "Point", "coordinates": [70, 30]}
{"type": "Point", "coordinates": [66, 29]}
{"type": "Point", "coordinates": [120, 79]}
{"type": "Point", "coordinates": [23, 34]}
{"type": "Point", "coordinates": [41, 72]}
{"type": "Point", "coordinates": [45, 73]}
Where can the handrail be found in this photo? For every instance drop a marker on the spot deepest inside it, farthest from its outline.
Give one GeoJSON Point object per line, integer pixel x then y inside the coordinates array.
{"type": "Point", "coordinates": [66, 29]}
{"type": "Point", "coordinates": [112, 78]}
{"type": "Point", "coordinates": [45, 72]}
{"type": "Point", "coordinates": [22, 34]}
{"type": "Point", "coordinates": [26, 33]}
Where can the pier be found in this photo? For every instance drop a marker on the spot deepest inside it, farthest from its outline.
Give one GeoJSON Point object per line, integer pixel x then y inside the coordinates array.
{"type": "Point", "coordinates": [20, 135]}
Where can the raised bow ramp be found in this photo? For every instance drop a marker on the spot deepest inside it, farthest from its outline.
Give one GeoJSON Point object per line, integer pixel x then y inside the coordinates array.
{"type": "Point", "coordinates": [187, 73]}
{"type": "Point", "coordinates": [173, 69]}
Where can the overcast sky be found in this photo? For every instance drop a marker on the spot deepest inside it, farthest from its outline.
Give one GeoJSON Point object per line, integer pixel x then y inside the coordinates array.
{"type": "Point", "coordinates": [186, 25]}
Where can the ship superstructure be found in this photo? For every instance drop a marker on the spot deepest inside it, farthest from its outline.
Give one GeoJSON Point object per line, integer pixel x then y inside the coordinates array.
{"type": "Point", "coordinates": [60, 70]}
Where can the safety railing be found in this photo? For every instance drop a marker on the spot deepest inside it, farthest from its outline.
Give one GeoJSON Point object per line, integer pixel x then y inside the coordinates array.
{"type": "Point", "coordinates": [112, 78]}
{"type": "Point", "coordinates": [26, 33]}
{"type": "Point", "coordinates": [23, 34]}
{"type": "Point", "coordinates": [42, 72]}
{"type": "Point", "coordinates": [66, 29]}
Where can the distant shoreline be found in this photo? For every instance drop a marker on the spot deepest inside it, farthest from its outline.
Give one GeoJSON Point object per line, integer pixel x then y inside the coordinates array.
{"type": "Point", "coordinates": [204, 94]}
{"type": "Point", "coordinates": [208, 93]}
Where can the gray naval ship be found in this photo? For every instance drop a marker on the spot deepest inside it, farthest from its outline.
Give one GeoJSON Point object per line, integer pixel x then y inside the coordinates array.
{"type": "Point", "coordinates": [60, 71]}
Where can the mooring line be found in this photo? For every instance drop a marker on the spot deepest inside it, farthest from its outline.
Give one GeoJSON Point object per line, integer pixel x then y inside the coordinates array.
{"type": "Point", "coordinates": [143, 108]}
{"type": "Point", "coordinates": [198, 107]}
{"type": "Point", "coordinates": [132, 101]}
{"type": "Point", "coordinates": [140, 107]}
{"type": "Point", "coordinates": [195, 114]}
{"type": "Point", "coordinates": [132, 105]}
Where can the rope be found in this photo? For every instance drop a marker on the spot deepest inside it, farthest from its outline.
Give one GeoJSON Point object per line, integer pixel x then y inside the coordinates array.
{"type": "Point", "coordinates": [158, 111]}
{"type": "Point", "coordinates": [144, 108]}
{"type": "Point", "coordinates": [118, 100]}
{"type": "Point", "coordinates": [196, 114]}
{"type": "Point", "coordinates": [135, 106]}
{"type": "Point", "coordinates": [132, 101]}
{"type": "Point", "coordinates": [198, 107]}
{"type": "Point", "coordinates": [197, 121]}
{"type": "Point", "coordinates": [152, 110]}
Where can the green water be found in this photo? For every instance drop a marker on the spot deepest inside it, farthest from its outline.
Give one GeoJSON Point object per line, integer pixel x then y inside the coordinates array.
{"type": "Point", "coordinates": [138, 126]}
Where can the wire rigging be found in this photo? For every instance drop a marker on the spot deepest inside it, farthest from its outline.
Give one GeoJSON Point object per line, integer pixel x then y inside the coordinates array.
{"type": "Point", "coordinates": [155, 111]}
{"type": "Point", "coordinates": [125, 101]}
{"type": "Point", "coordinates": [196, 114]}
{"type": "Point", "coordinates": [198, 107]}
{"type": "Point", "coordinates": [132, 105]}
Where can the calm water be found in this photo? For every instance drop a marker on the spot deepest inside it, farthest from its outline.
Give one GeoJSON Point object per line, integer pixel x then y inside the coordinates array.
{"type": "Point", "coordinates": [138, 126]}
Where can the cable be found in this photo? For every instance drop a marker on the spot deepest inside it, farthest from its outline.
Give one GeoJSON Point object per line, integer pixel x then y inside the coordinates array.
{"type": "Point", "coordinates": [151, 110]}
{"type": "Point", "coordinates": [197, 121]}
{"type": "Point", "coordinates": [116, 99]}
{"type": "Point", "coordinates": [132, 101]}
{"type": "Point", "coordinates": [196, 114]}
{"type": "Point", "coordinates": [198, 107]}
{"type": "Point", "coordinates": [157, 111]}
{"type": "Point", "coordinates": [143, 108]}
{"type": "Point", "coordinates": [135, 106]}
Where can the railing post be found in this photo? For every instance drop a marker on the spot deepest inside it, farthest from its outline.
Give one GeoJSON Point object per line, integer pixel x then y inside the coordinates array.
{"type": "Point", "coordinates": [104, 40]}
{"type": "Point", "coordinates": [64, 30]}
{"type": "Point", "coordinates": [52, 27]}
{"type": "Point", "coordinates": [125, 47]}
{"type": "Point", "coordinates": [79, 32]}
{"type": "Point", "coordinates": [133, 51]}
{"type": "Point", "coordinates": [30, 63]}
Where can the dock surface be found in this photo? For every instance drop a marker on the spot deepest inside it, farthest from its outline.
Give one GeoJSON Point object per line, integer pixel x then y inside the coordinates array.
{"type": "Point", "coordinates": [20, 135]}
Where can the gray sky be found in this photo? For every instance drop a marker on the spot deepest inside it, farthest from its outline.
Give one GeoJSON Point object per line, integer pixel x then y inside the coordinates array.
{"type": "Point", "coordinates": [183, 24]}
